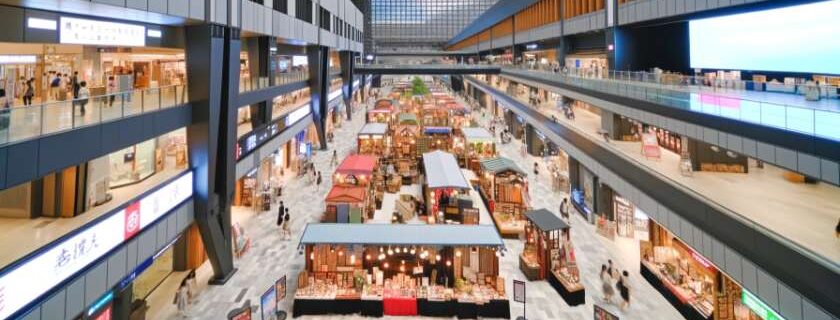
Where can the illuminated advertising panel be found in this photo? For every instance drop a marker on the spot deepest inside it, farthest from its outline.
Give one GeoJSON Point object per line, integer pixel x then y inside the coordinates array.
{"type": "Point", "coordinates": [102, 33]}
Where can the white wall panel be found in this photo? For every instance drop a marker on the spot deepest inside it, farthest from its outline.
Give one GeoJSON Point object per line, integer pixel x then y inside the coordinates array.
{"type": "Point", "coordinates": [179, 8]}
{"type": "Point", "coordinates": [75, 298]}
{"type": "Point", "coordinates": [95, 280]}
{"type": "Point", "coordinates": [137, 4]}
{"type": "Point", "coordinates": [53, 307]}
{"type": "Point", "coordinates": [158, 6]}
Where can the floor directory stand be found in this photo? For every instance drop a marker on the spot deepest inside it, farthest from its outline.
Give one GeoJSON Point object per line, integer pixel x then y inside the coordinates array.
{"type": "Point", "coordinates": [519, 296]}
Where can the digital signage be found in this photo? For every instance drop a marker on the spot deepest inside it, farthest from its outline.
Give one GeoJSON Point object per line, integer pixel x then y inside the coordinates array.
{"type": "Point", "coordinates": [102, 33]}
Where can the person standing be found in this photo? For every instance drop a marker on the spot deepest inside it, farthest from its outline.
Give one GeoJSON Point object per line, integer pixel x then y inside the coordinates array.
{"type": "Point", "coordinates": [334, 159]}
{"type": "Point", "coordinates": [28, 93]}
{"type": "Point", "coordinates": [536, 169]}
{"type": "Point", "coordinates": [564, 209]}
{"type": "Point", "coordinates": [606, 283]}
{"type": "Point", "coordinates": [192, 286]}
{"type": "Point", "coordinates": [318, 181]}
{"type": "Point", "coordinates": [182, 299]}
{"type": "Point", "coordinates": [280, 213]}
{"type": "Point", "coordinates": [75, 85]}
{"type": "Point", "coordinates": [83, 96]}
{"type": "Point", "coordinates": [624, 289]}
{"type": "Point", "coordinates": [55, 83]}
{"type": "Point", "coordinates": [111, 90]}
{"type": "Point", "coordinates": [287, 232]}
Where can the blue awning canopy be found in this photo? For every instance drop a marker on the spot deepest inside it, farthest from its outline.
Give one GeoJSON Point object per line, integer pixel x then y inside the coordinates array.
{"type": "Point", "coordinates": [401, 235]}
{"type": "Point", "coordinates": [437, 130]}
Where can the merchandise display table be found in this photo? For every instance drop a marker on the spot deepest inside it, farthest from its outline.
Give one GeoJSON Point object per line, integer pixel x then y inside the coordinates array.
{"type": "Point", "coordinates": [371, 308]}
{"type": "Point", "coordinates": [571, 293]}
{"type": "Point", "coordinates": [675, 297]}
{"type": "Point", "coordinates": [399, 306]}
{"type": "Point", "coordinates": [436, 308]}
{"type": "Point", "coordinates": [325, 307]}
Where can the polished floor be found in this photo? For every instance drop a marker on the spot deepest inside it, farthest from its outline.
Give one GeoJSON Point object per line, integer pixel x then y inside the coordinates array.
{"type": "Point", "coordinates": [271, 257]}
{"type": "Point", "coordinates": [803, 213]}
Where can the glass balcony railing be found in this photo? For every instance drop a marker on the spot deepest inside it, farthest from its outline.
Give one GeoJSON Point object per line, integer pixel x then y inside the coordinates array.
{"type": "Point", "coordinates": [735, 99]}
{"type": "Point", "coordinates": [26, 122]}
{"type": "Point", "coordinates": [252, 84]}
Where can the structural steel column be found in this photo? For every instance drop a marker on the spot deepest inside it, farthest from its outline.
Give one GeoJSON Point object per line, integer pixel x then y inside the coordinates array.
{"type": "Point", "coordinates": [212, 66]}
{"type": "Point", "coordinates": [347, 64]}
{"type": "Point", "coordinates": [318, 57]}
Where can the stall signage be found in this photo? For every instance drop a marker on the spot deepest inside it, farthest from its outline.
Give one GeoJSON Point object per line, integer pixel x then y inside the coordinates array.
{"type": "Point", "coordinates": [43, 24]}
{"type": "Point", "coordinates": [152, 33]}
{"type": "Point", "coordinates": [758, 306]}
{"type": "Point", "coordinates": [603, 314]}
{"type": "Point", "coordinates": [519, 291]}
{"type": "Point", "coordinates": [37, 275]}
{"type": "Point", "coordinates": [83, 31]}
{"type": "Point", "coordinates": [18, 59]}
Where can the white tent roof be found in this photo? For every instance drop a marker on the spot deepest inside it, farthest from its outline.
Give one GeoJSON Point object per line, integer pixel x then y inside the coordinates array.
{"type": "Point", "coordinates": [442, 171]}
{"type": "Point", "coordinates": [401, 234]}
{"type": "Point", "coordinates": [374, 129]}
{"type": "Point", "coordinates": [477, 134]}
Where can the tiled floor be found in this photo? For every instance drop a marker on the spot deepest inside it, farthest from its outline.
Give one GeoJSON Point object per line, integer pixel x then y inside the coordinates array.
{"type": "Point", "coordinates": [271, 258]}
{"type": "Point", "coordinates": [803, 213]}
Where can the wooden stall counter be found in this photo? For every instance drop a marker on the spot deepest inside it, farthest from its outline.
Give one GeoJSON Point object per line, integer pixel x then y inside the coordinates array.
{"type": "Point", "coordinates": [572, 292]}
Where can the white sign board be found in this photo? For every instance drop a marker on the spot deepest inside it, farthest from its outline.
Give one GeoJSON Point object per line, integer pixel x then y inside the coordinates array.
{"type": "Point", "coordinates": [519, 291]}
{"type": "Point", "coordinates": [39, 274]}
{"type": "Point", "coordinates": [83, 31]}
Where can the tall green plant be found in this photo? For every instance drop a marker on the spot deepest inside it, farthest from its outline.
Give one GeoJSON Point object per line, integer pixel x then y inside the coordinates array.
{"type": "Point", "coordinates": [418, 87]}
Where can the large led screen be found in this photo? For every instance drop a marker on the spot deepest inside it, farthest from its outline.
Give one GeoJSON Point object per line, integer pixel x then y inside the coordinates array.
{"type": "Point", "coordinates": [793, 39]}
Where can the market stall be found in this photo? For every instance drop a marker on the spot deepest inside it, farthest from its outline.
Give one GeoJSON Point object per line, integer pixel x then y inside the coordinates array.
{"type": "Point", "coordinates": [373, 139]}
{"type": "Point", "coordinates": [435, 116]}
{"type": "Point", "coordinates": [549, 254]}
{"type": "Point", "coordinates": [474, 144]}
{"type": "Point", "coordinates": [357, 170]}
{"type": "Point", "coordinates": [348, 204]}
{"type": "Point", "coordinates": [436, 138]}
{"type": "Point", "coordinates": [408, 270]}
{"type": "Point", "coordinates": [505, 188]}
{"type": "Point", "coordinates": [380, 116]}
{"type": "Point", "coordinates": [446, 190]}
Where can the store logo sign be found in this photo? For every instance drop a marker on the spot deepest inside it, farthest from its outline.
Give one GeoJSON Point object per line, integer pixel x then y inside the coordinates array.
{"type": "Point", "coordinates": [83, 31]}
{"type": "Point", "coordinates": [758, 306]}
{"type": "Point", "coordinates": [40, 273]}
{"type": "Point", "coordinates": [132, 220]}
{"type": "Point", "coordinates": [43, 24]}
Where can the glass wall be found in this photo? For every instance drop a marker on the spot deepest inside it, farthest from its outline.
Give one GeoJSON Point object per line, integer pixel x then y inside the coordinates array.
{"type": "Point", "coordinates": [412, 23]}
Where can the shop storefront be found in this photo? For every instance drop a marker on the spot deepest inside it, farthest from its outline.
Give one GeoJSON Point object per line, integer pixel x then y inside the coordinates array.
{"type": "Point", "coordinates": [690, 282]}
{"type": "Point", "coordinates": [587, 64]}
{"type": "Point", "coordinates": [104, 69]}
{"type": "Point", "coordinates": [504, 186]}
{"type": "Point", "coordinates": [541, 59]}
{"type": "Point", "coordinates": [549, 255]}
{"type": "Point", "coordinates": [583, 189]}
{"type": "Point", "coordinates": [134, 164]}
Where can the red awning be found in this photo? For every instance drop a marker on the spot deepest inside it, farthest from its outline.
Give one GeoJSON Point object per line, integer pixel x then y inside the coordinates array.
{"type": "Point", "coordinates": [346, 194]}
{"type": "Point", "coordinates": [357, 165]}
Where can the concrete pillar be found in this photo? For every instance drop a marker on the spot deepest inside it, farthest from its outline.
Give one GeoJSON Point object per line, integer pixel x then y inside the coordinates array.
{"type": "Point", "coordinates": [318, 57]}
{"type": "Point", "coordinates": [347, 64]}
{"type": "Point", "coordinates": [213, 83]}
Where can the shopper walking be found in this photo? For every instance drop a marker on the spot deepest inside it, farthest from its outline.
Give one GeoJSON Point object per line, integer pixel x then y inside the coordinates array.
{"type": "Point", "coordinates": [55, 83]}
{"type": "Point", "coordinates": [83, 96]}
{"type": "Point", "coordinates": [28, 93]}
{"type": "Point", "coordinates": [606, 284]}
{"type": "Point", "coordinates": [334, 158]}
{"type": "Point", "coordinates": [111, 90]}
{"type": "Point", "coordinates": [287, 232]}
{"type": "Point", "coordinates": [536, 169]}
{"type": "Point", "coordinates": [75, 85]}
{"type": "Point", "coordinates": [280, 213]}
{"type": "Point", "coordinates": [624, 289]}
{"type": "Point", "coordinates": [564, 209]}
{"type": "Point", "coordinates": [182, 299]}
{"type": "Point", "coordinates": [192, 286]}
{"type": "Point", "coordinates": [318, 181]}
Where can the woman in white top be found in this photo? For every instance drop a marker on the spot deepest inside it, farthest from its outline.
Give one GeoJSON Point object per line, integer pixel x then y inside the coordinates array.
{"type": "Point", "coordinates": [84, 94]}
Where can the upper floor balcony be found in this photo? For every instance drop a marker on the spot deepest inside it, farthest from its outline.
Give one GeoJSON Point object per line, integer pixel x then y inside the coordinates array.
{"type": "Point", "coordinates": [59, 113]}
{"type": "Point", "coordinates": [808, 108]}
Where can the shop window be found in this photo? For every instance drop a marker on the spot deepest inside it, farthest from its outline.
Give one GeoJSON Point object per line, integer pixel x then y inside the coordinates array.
{"type": "Point", "coordinates": [281, 6]}
{"type": "Point", "coordinates": [303, 10]}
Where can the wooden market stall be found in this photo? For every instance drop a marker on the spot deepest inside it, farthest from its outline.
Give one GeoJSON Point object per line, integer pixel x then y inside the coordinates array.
{"type": "Point", "coordinates": [548, 254]}
{"type": "Point", "coordinates": [348, 204]}
{"type": "Point", "coordinates": [373, 139]}
{"type": "Point", "coordinates": [361, 171]}
{"type": "Point", "coordinates": [380, 116]}
{"type": "Point", "coordinates": [435, 138]}
{"type": "Point", "coordinates": [504, 185]}
{"type": "Point", "coordinates": [446, 190]}
{"type": "Point", "coordinates": [474, 144]}
{"type": "Point", "coordinates": [435, 116]}
{"type": "Point", "coordinates": [380, 270]}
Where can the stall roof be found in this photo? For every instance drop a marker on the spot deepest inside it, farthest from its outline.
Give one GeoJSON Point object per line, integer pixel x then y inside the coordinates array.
{"type": "Point", "coordinates": [499, 164]}
{"type": "Point", "coordinates": [442, 171]}
{"type": "Point", "coordinates": [346, 194]}
{"type": "Point", "coordinates": [357, 164]}
{"type": "Point", "coordinates": [437, 130]}
{"type": "Point", "coordinates": [477, 134]}
{"type": "Point", "coordinates": [378, 129]}
{"type": "Point", "coordinates": [546, 220]}
{"type": "Point", "coordinates": [401, 234]}
{"type": "Point", "coordinates": [408, 117]}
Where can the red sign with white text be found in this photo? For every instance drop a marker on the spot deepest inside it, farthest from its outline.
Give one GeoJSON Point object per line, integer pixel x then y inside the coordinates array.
{"type": "Point", "coordinates": [132, 220]}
